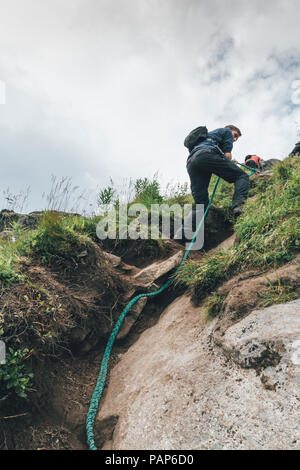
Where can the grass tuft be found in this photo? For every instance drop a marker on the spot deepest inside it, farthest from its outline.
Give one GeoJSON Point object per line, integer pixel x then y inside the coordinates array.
{"type": "Point", "coordinates": [268, 231]}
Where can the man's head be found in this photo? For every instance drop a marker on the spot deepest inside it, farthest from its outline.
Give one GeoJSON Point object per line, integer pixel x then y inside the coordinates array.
{"type": "Point", "coordinates": [235, 131]}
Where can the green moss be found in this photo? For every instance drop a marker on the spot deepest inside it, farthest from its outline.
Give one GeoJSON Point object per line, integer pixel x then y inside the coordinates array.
{"type": "Point", "coordinates": [278, 292]}
{"type": "Point", "coordinates": [213, 305]}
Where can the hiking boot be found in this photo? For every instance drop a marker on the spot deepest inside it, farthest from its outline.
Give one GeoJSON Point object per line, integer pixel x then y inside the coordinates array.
{"type": "Point", "coordinates": [238, 210]}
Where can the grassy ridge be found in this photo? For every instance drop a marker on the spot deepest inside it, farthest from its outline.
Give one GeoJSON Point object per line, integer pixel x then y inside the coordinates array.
{"type": "Point", "coordinates": [33, 316]}
{"type": "Point", "coordinates": [268, 232]}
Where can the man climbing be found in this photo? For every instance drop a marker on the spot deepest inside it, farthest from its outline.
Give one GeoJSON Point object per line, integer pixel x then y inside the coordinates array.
{"type": "Point", "coordinates": [213, 156]}
{"type": "Point", "coordinates": [254, 161]}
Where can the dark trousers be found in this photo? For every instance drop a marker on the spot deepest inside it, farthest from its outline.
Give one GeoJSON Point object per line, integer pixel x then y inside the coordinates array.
{"type": "Point", "coordinates": [203, 163]}
{"type": "Point", "coordinates": [251, 164]}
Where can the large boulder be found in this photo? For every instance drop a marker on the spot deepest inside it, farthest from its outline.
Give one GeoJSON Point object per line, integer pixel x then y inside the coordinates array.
{"type": "Point", "coordinates": [6, 218]}
{"type": "Point", "coordinates": [267, 164]}
{"type": "Point", "coordinates": [153, 272]}
{"type": "Point", "coordinates": [266, 338]}
{"type": "Point", "coordinates": [175, 389]}
{"type": "Point", "coordinates": [26, 220]}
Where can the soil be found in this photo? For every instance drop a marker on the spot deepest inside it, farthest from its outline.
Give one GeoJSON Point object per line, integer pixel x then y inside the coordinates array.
{"type": "Point", "coordinates": [65, 373]}
{"type": "Point", "coordinates": [57, 419]}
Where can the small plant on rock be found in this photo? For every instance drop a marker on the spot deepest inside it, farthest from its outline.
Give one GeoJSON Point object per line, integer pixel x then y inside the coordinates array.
{"type": "Point", "coordinates": [13, 374]}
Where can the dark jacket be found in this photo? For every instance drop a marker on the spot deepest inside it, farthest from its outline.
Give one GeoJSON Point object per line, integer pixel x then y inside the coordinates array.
{"type": "Point", "coordinates": [219, 139]}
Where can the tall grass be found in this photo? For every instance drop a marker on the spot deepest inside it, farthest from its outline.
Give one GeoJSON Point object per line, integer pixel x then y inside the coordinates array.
{"type": "Point", "coordinates": [268, 231]}
{"type": "Point", "coordinates": [56, 241]}
{"type": "Point", "coordinates": [14, 245]}
{"type": "Point", "coordinates": [16, 202]}
{"type": "Point", "coordinates": [63, 196]}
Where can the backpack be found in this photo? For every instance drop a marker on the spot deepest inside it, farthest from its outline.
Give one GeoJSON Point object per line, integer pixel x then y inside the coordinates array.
{"type": "Point", "coordinates": [195, 137]}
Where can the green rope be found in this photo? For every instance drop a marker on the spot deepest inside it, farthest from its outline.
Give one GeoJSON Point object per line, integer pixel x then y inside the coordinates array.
{"type": "Point", "coordinates": [96, 397]}
{"type": "Point", "coordinates": [249, 168]}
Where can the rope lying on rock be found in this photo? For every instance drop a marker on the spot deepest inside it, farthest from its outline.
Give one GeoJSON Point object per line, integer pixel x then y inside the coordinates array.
{"type": "Point", "coordinates": [96, 397]}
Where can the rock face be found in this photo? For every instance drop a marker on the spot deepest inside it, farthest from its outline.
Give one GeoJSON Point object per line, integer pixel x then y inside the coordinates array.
{"type": "Point", "coordinates": [269, 163]}
{"type": "Point", "coordinates": [146, 278]}
{"type": "Point", "coordinates": [26, 220]}
{"type": "Point", "coordinates": [266, 337]}
{"type": "Point", "coordinates": [149, 274]}
{"type": "Point", "coordinates": [131, 317]}
{"type": "Point", "coordinates": [176, 389]}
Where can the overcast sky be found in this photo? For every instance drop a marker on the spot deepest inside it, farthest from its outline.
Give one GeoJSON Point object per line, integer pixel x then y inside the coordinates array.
{"type": "Point", "coordinates": [100, 88]}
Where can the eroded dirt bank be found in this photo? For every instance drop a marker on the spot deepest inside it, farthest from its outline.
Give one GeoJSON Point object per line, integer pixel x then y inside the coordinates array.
{"type": "Point", "coordinates": [79, 305]}
{"type": "Point", "coordinates": [178, 380]}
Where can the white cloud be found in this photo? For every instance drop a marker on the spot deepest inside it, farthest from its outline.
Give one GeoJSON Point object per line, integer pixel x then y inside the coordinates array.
{"type": "Point", "coordinates": [98, 88]}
